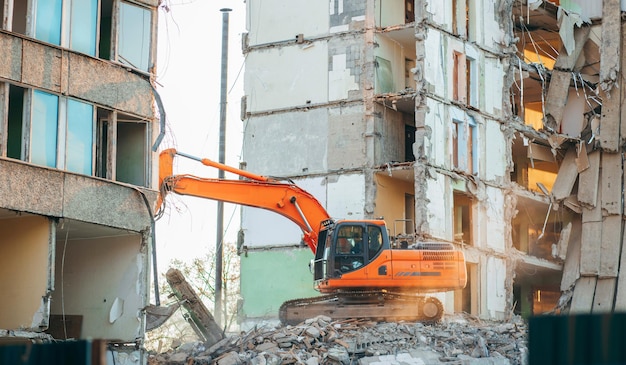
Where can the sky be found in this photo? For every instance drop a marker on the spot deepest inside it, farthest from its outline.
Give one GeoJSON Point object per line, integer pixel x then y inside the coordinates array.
{"type": "Point", "coordinates": [188, 81]}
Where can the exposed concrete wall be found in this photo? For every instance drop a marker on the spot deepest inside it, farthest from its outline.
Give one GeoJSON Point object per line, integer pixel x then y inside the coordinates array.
{"type": "Point", "coordinates": [347, 135]}
{"type": "Point", "coordinates": [54, 193]}
{"type": "Point", "coordinates": [495, 290]}
{"type": "Point", "coordinates": [492, 222]}
{"type": "Point", "coordinates": [104, 281]}
{"type": "Point", "coordinates": [298, 76]}
{"type": "Point", "coordinates": [391, 125]}
{"type": "Point", "coordinates": [495, 157]}
{"type": "Point", "coordinates": [75, 75]}
{"type": "Point", "coordinates": [286, 143]}
{"type": "Point", "coordinates": [24, 251]}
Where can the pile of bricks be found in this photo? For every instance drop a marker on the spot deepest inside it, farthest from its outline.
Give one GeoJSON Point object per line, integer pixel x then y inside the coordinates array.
{"type": "Point", "coordinates": [458, 339]}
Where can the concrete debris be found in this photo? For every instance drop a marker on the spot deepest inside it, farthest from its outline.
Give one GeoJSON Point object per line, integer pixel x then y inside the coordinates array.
{"type": "Point", "coordinates": [457, 339]}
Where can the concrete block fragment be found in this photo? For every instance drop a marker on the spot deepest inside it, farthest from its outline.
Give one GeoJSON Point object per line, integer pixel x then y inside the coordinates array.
{"type": "Point", "coordinates": [556, 99]}
{"type": "Point", "coordinates": [566, 177]}
{"type": "Point", "coordinates": [571, 267]}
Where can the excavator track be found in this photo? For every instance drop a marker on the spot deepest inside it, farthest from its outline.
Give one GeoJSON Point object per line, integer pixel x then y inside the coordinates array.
{"type": "Point", "coordinates": [374, 305]}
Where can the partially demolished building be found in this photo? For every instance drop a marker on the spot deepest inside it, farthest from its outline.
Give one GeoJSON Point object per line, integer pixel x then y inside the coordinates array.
{"type": "Point", "coordinates": [77, 123]}
{"type": "Point", "coordinates": [493, 125]}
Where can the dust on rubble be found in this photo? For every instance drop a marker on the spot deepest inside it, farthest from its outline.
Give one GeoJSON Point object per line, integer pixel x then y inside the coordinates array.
{"type": "Point", "coordinates": [457, 339]}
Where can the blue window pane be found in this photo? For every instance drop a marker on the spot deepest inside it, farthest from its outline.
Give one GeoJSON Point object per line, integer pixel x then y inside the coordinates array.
{"type": "Point", "coordinates": [48, 21]}
{"type": "Point", "coordinates": [83, 26]}
{"type": "Point", "coordinates": [43, 145]}
{"type": "Point", "coordinates": [134, 36]}
{"type": "Point", "coordinates": [79, 153]}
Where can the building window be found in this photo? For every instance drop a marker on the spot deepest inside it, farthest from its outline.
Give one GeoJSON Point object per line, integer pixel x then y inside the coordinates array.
{"type": "Point", "coordinates": [75, 29]}
{"type": "Point", "coordinates": [135, 24]}
{"type": "Point", "coordinates": [44, 128]}
{"type": "Point", "coordinates": [460, 17]}
{"type": "Point", "coordinates": [471, 81]}
{"type": "Point", "coordinates": [86, 26]}
{"type": "Point", "coordinates": [48, 21]}
{"type": "Point", "coordinates": [462, 219]}
{"type": "Point", "coordinates": [73, 136]}
{"type": "Point", "coordinates": [80, 137]}
{"type": "Point", "coordinates": [464, 145]}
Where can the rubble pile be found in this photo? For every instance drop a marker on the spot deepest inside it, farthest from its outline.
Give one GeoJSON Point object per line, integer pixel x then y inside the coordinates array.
{"type": "Point", "coordinates": [458, 339]}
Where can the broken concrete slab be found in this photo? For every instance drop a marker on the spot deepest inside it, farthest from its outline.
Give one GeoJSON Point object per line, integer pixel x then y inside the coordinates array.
{"type": "Point", "coordinates": [566, 177]}
{"type": "Point", "coordinates": [205, 324]}
{"type": "Point", "coordinates": [558, 90]}
{"type": "Point", "coordinates": [571, 268]}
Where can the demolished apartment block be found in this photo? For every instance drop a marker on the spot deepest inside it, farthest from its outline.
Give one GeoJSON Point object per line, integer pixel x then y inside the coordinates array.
{"type": "Point", "coordinates": [469, 121]}
{"type": "Point", "coordinates": [568, 89]}
{"type": "Point", "coordinates": [77, 123]}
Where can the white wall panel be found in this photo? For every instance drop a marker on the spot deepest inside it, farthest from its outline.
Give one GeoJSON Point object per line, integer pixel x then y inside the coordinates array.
{"type": "Point", "coordinates": [310, 18]}
{"type": "Point", "coordinates": [285, 77]}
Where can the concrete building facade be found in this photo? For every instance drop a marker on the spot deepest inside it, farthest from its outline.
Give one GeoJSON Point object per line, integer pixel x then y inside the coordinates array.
{"type": "Point", "coordinates": [439, 117]}
{"type": "Point", "coordinates": [77, 127]}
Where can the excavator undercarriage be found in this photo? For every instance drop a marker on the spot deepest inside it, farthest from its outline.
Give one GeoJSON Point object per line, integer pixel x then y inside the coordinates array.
{"type": "Point", "coordinates": [374, 305]}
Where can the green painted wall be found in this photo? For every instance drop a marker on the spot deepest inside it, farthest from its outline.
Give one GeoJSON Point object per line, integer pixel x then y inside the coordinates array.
{"type": "Point", "coordinates": [268, 278]}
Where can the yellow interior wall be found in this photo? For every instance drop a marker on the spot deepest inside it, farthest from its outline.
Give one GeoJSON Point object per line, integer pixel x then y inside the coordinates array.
{"type": "Point", "coordinates": [94, 274]}
{"type": "Point", "coordinates": [24, 246]}
{"type": "Point", "coordinates": [390, 199]}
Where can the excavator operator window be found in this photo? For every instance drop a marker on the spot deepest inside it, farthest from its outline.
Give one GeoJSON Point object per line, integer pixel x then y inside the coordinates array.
{"type": "Point", "coordinates": [375, 241]}
{"type": "Point", "coordinates": [349, 253]}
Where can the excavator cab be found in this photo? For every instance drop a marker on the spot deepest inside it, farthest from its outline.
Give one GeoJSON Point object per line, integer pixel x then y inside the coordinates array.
{"type": "Point", "coordinates": [347, 246]}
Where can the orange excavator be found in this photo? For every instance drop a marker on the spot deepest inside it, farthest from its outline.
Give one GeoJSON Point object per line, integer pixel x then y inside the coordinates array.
{"type": "Point", "coordinates": [361, 269]}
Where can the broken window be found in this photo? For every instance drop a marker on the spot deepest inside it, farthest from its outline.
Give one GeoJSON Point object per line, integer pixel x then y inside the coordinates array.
{"type": "Point", "coordinates": [384, 76]}
{"type": "Point", "coordinates": [462, 219]}
{"type": "Point", "coordinates": [134, 36]}
{"type": "Point", "coordinates": [471, 80]}
{"type": "Point", "coordinates": [464, 154]}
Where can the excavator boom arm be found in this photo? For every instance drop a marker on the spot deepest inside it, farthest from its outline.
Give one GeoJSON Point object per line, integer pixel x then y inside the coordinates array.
{"type": "Point", "coordinates": [286, 199]}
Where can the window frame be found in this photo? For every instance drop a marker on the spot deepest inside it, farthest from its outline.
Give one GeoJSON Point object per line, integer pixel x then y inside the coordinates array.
{"type": "Point", "coordinates": [464, 143]}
